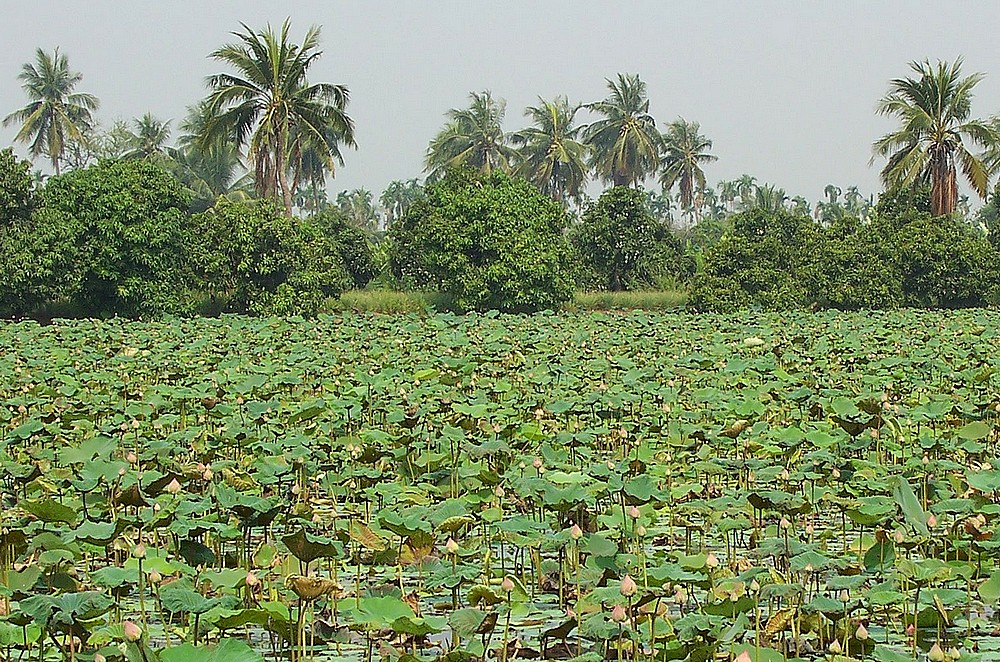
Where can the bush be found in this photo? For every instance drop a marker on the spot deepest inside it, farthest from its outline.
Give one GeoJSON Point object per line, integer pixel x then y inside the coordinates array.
{"type": "Point", "coordinates": [488, 241]}
{"type": "Point", "coordinates": [353, 244]}
{"type": "Point", "coordinates": [621, 244]}
{"type": "Point", "coordinates": [17, 191]}
{"type": "Point", "coordinates": [249, 258]}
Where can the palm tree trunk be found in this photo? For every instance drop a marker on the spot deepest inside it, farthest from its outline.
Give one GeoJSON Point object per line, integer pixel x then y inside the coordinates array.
{"type": "Point", "coordinates": [279, 163]}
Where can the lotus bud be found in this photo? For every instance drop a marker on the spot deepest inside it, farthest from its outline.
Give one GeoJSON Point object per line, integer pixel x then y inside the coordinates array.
{"type": "Point", "coordinates": [845, 596]}
{"type": "Point", "coordinates": [640, 531]}
{"type": "Point", "coordinates": [99, 658]}
{"type": "Point", "coordinates": [954, 653]}
{"type": "Point", "coordinates": [156, 507]}
{"type": "Point", "coordinates": [931, 520]}
{"type": "Point", "coordinates": [451, 546]}
{"type": "Point", "coordinates": [835, 647]}
{"type": "Point", "coordinates": [754, 585]}
{"type": "Point", "coordinates": [121, 471]}
{"type": "Point", "coordinates": [785, 524]}
{"type": "Point", "coordinates": [131, 631]}
{"type": "Point", "coordinates": [711, 561]}
{"type": "Point", "coordinates": [898, 536]}
{"type": "Point", "coordinates": [618, 614]}
{"type": "Point", "coordinates": [925, 460]}
{"type": "Point", "coordinates": [132, 458]}
{"type": "Point", "coordinates": [680, 595]}
{"type": "Point", "coordinates": [633, 512]}
{"type": "Point", "coordinates": [935, 654]}
{"type": "Point", "coordinates": [628, 587]}
{"type": "Point", "coordinates": [575, 532]}
{"type": "Point", "coordinates": [810, 529]}
{"type": "Point", "coordinates": [861, 634]}
{"type": "Point", "coordinates": [835, 473]}
{"type": "Point", "coordinates": [207, 475]}
{"type": "Point", "coordinates": [139, 551]}
{"type": "Point", "coordinates": [910, 630]}
{"type": "Point", "coordinates": [743, 657]}
{"type": "Point", "coordinates": [251, 579]}
{"type": "Point", "coordinates": [173, 487]}
{"type": "Point", "coordinates": [507, 585]}
{"type": "Point", "coordinates": [537, 463]}
{"type": "Point", "coordinates": [296, 489]}
{"type": "Point", "coordinates": [499, 492]}
{"type": "Point", "coordinates": [784, 476]}
{"type": "Point", "coordinates": [155, 577]}
{"type": "Point", "coordinates": [611, 465]}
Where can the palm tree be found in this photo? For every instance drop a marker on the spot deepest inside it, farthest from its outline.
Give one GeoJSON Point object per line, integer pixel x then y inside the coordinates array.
{"type": "Point", "coordinates": [55, 114]}
{"type": "Point", "coordinates": [746, 187]}
{"type": "Point", "coordinates": [397, 198]}
{"type": "Point", "coordinates": [473, 137]}
{"type": "Point", "coordinates": [832, 192]}
{"type": "Point", "coordinates": [270, 106]}
{"type": "Point", "coordinates": [934, 108]}
{"type": "Point", "coordinates": [625, 145]}
{"type": "Point", "coordinates": [210, 170]}
{"type": "Point", "coordinates": [551, 157]}
{"type": "Point", "coordinates": [150, 137]}
{"type": "Point", "coordinates": [685, 150]}
{"type": "Point", "coordinates": [359, 208]}
{"type": "Point", "coordinates": [769, 198]}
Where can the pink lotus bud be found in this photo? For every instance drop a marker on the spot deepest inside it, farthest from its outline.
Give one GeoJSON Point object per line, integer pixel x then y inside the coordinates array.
{"type": "Point", "coordinates": [935, 654]}
{"type": "Point", "coordinates": [711, 561]}
{"type": "Point", "coordinates": [499, 492]}
{"type": "Point", "coordinates": [132, 631]}
{"type": "Point", "coordinates": [835, 647]}
{"type": "Point", "coordinates": [785, 524]}
{"type": "Point", "coordinates": [207, 475]}
{"type": "Point", "coordinates": [451, 546]}
{"type": "Point", "coordinates": [251, 580]}
{"type": "Point", "coordinates": [628, 587]}
{"type": "Point", "coordinates": [173, 487]}
{"type": "Point", "coordinates": [861, 634]}
{"type": "Point", "coordinates": [618, 614]}
{"type": "Point", "coordinates": [537, 463]}
{"type": "Point", "coordinates": [898, 536]}
{"type": "Point", "coordinates": [575, 532]}
{"type": "Point", "coordinates": [155, 577]}
{"type": "Point", "coordinates": [743, 657]}
{"type": "Point", "coordinates": [140, 551]}
{"type": "Point", "coordinates": [640, 531]}
{"type": "Point", "coordinates": [844, 596]}
{"type": "Point", "coordinates": [931, 520]}
{"type": "Point", "coordinates": [633, 512]}
{"type": "Point", "coordinates": [910, 630]}
{"type": "Point", "coordinates": [131, 458]}
{"type": "Point", "coordinates": [507, 585]}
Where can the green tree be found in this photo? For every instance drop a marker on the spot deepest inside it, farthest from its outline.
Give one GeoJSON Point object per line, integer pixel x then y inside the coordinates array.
{"type": "Point", "coordinates": [620, 240]}
{"type": "Point", "coordinates": [550, 156]}
{"type": "Point", "coordinates": [358, 207]}
{"type": "Point", "coordinates": [209, 169]}
{"type": "Point", "coordinates": [936, 133]}
{"type": "Point", "coordinates": [270, 106]}
{"type": "Point", "coordinates": [472, 138]}
{"type": "Point", "coordinates": [55, 114]}
{"type": "Point", "coordinates": [625, 144]}
{"type": "Point", "coordinates": [685, 151]}
{"type": "Point", "coordinates": [17, 191]}
{"type": "Point", "coordinates": [149, 139]}
{"type": "Point", "coordinates": [488, 241]}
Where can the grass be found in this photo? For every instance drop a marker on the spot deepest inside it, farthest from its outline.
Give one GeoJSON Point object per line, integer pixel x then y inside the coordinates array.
{"type": "Point", "coordinates": [391, 301]}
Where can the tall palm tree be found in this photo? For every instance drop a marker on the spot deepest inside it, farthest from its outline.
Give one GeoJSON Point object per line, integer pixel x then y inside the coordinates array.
{"type": "Point", "coordinates": [210, 169]}
{"type": "Point", "coordinates": [359, 208]}
{"type": "Point", "coordinates": [550, 155]}
{"type": "Point", "coordinates": [685, 150]}
{"type": "Point", "coordinates": [55, 114]}
{"type": "Point", "coordinates": [397, 198]}
{"type": "Point", "coordinates": [270, 106]}
{"type": "Point", "coordinates": [936, 133]}
{"type": "Point", "coordinates": [746, 188]}
{"type": "Point", "coordinates": [473, 137]}
{"type": "Point", "coordinates": [769, 197]}
{"type": "Point", "coordinates": [625, 144]}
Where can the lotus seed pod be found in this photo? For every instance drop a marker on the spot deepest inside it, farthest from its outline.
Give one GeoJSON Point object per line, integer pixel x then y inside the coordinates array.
{"type": "Point", "coordinates": [131, 631]}
{"type": "Point", "coordinates": [173, 487]}
{"type": "Point", "coordinates": [861, 634]}
{"type": "Point", "coordinates": [507, 585]}
{"type": "Point", "coordinates": [618, 614]}
{"type": "Point", "coordinates": [628, 586]}
{"type": "Point", "coordinates": [575, 532]}
{"type": "Point", "coordinates": [451, 546]}
{"type": "Point", "coordinates": [935, 654]}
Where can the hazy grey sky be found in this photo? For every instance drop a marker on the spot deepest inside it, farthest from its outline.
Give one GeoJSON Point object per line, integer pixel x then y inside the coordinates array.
{"type": "Point", "coordinates": [786, 90]}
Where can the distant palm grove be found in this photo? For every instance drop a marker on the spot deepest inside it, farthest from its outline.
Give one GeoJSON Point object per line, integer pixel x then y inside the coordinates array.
{"type": "Point", "coordinates": [229, 209]}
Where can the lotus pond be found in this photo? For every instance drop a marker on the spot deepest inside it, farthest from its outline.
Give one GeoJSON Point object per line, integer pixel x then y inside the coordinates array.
{"type": "Point", "coordinates": [629, 487]}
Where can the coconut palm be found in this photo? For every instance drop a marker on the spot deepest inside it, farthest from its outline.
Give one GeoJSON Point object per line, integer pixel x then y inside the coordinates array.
{"type": "Point", "coordinates": [397, 198]}
{"type": "Point", "coordinates": [550, 155]}
{"type": "Point", "coordinates": [209, 169]}
{"type": "Point", "coordinates": [55, 114]}
{"type": "Point", "coordinates": [473, 138]}
{"type": "Point", "coordinates": [685, 150]}
{"type": "Point", "coordinates": [270, 106]}
{"type": "Point", "coordinates": [769, 197]}
{"type": "Point", "coordinates": [149, 140]}
{"type": "Point", "coordinates": [359, 208]}
{"type": "Point", "coordinates": [937, 134]}
{"type": "Point", "coordinates": [625, 144]}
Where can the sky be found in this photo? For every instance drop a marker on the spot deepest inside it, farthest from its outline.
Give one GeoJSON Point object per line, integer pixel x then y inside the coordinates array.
{"type": "Point", "coordinates": [785, 89]}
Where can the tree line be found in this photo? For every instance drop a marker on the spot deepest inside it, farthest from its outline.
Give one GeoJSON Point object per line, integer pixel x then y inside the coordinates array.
{"type": "Point", "coordinates": [266, 140]}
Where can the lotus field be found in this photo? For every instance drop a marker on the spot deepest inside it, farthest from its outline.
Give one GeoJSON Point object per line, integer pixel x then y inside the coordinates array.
{"type": "Point", "coordinates": [627, 487]}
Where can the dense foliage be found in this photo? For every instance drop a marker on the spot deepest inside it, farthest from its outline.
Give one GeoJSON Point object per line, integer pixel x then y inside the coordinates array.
{"type": "Point", "coordinates": [621, 244]}
{"type": "Point", "coordinates": [17, 191]}
{"type": "Point", "coordinates": [647, 486]}
{"type": "Point", "coordinates": [489, 241]}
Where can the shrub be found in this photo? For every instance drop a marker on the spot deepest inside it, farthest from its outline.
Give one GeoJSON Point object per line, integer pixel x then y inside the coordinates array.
{"type": "Point", "coordinates": [488, 241]}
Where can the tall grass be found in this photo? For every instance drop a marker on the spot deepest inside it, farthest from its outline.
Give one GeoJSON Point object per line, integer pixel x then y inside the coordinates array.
{"type": "Point", "coordinates": [633, 300]}
{"type": "Point", "coordinates": [392, 301]}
